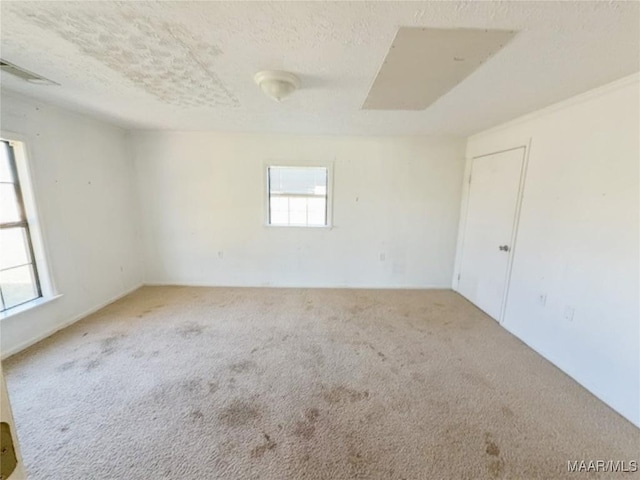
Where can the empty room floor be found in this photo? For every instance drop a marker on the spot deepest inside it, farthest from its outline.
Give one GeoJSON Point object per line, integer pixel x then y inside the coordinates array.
{"type": "Point", "coordinates": [239, 383]}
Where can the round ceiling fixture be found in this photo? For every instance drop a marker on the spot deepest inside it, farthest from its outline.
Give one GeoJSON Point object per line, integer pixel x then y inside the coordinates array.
{"type": "Point", "coordinates": [277, 84]}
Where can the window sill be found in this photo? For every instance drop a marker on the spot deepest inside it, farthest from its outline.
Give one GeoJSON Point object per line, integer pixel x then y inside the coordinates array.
{"type": "Point", "coordinates": [38, 302]}
{"type": "Point", "coordinates": [310, 227]}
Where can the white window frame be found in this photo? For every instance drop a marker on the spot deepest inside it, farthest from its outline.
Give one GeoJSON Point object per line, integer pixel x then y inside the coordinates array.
{"type": "Point", "coordinates": [20, 145]}
{"type": "Point", "coordinates": [300, 164]}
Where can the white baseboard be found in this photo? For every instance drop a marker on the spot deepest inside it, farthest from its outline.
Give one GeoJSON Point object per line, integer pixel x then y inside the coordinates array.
{"type": "Point", "coordinates": [444, 286]}
{"type": "Point", "coordinates": [27, 343]}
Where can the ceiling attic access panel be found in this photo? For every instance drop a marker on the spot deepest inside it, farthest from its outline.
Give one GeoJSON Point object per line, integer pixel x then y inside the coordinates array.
{"type": "Point", "coordinates": [423, 64]}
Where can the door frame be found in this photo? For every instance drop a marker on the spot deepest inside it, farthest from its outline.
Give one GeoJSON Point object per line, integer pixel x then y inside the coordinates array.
{"type": "Point", "coordinates": [464, 209]}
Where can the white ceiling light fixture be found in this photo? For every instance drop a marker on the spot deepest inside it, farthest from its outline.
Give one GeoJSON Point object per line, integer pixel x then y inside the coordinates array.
{"type": "Point", "coordinates": [277, 84]}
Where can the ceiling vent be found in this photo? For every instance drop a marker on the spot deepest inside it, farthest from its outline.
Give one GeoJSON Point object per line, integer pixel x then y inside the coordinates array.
{"type": "Point", "coordinates": [24, 74]}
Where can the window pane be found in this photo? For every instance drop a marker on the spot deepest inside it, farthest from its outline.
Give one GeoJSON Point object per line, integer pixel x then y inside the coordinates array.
{"type": "Point", "coordinates": [298, 180]}
{"type": "Point", "coordinates": [279, 214]}
{"type": "Point", "coordinates": [280, 203]}
{"type": "Point", "coordinates": [279, 218]}
{"type": "Point", "coordinates": [317, 213]}
{"type": "Point", "coordinates": [297, 211]}
{"type": "Point", "coordinates": [9, 211]}
{"type": "Point", "coordinates": [5, 169]}
{"type": "Point", "coordinates": [13, 247]}
{"type": "Point", "coordinates": [18, 286]}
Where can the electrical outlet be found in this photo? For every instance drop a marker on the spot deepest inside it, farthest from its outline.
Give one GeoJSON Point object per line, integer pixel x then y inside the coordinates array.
{"type": "Point", "coordinates": [383, 257]}
{"type": "Point", "coordinates": [568, 313]}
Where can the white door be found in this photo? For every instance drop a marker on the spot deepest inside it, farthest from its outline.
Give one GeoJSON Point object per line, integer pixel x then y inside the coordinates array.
{"type": "Point", "coordinates": [489, 227]}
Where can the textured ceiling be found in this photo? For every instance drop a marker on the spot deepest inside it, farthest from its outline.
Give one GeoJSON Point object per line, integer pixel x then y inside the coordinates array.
{"type": "Point", "coordinates": [190, 65]}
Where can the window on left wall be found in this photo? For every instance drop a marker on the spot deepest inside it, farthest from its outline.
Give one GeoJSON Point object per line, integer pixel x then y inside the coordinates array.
{"type": "Point", "coordinates": [19, 279]}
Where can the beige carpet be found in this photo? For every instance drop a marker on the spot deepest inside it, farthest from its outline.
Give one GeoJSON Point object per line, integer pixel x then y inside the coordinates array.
{"type": "Point", "coordinates": [229, 383]}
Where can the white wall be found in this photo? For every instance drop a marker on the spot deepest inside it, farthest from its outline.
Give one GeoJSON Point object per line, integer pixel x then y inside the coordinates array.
{"type": "Point", "coordinates": [202, 205]}
{"type": "Point", "coordinates": [83, 176]}
{"type": "Point", "coordinates": [578, 239]}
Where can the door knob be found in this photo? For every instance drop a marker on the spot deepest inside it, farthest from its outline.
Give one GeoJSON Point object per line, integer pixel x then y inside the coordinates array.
{"type": "Point", "coordinates": [503, 248]}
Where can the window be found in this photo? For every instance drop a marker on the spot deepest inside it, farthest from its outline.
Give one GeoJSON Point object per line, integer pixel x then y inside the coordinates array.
{"type": "Point", "coordinates": [19, 281]}
{"type": "Point", "coordinates": [298, 196]}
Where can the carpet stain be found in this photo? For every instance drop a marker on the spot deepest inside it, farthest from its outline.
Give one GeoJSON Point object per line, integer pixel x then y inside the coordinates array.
{"type": "Point", "coordinates": [382, 356]}
{"type": "Point", "coordinates": [191, 386]}
{"type": "Point", "coordinates": [244, 366]}
{"type": "Point", "coordinates": [109, 345]}
{"type": "Point", "coordinates": [190, 329]}
{"type": "Point", "coordinates": [260, 450]}
{"type": "Point", "coordinates": [178, 390]}
{"type": "Point", "coordinates": [507, 412]}
{"type": "Point", "coordinates": [342, 394]}
{"type": "Point", "coordinates": [492, 449]}
{"type": "Point", "coordinates": [196, 415]}
{"type": "Point", "coordinates": [357, 463]}
{"type": "Point", "coordinates": [496, 467]}
{"type": "Point", "coordinates": [147, 311]}
{"type": "Point", "coordinates": [306, 429]}
{"type": "Point", "coordinates": [66, 366]}
{"type": "Point", "coordinates": [239, 413]}
{"type": "Point", "coordinates": [355, 458]}
{"type": "Point", "coordinates": [213, 387]}
{"type": "Point", "coordinates": [92, 365]}
{"type": "Point", "coordinates": [312, 414]}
